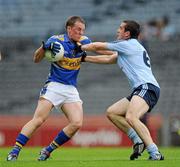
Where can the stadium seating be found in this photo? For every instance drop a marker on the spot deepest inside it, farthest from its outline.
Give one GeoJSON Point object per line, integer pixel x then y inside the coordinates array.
{"type": "Point", "coordinates": [39, 18]}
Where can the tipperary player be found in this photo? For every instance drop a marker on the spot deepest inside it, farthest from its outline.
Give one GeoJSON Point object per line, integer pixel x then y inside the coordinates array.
{"type": "Point", "coordinates": [134, 61]}
{"type": "Point", "coordinates": [59, 90]}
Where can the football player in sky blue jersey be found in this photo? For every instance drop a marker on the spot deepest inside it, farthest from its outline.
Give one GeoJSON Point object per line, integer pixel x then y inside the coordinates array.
{"type": "Point", "coordinates": [59, 90]}
{"type": "Point", "coordinates": [134, 61]}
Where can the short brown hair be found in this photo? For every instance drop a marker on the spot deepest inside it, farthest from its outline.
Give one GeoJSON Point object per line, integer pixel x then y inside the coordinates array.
{"type": "Point", "coordinates": [133, 27]}
{"type": "Point", "coordinates": [72, 20]}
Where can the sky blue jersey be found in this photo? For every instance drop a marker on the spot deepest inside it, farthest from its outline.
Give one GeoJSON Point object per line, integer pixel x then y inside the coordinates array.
{"type": "Point", "coordinates": [134, 61]}
{"type": "Point", "coordinates": [66, 70]}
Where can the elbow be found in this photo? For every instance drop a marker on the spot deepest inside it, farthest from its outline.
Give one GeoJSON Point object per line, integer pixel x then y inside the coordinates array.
{"type": "Point", "coordinates": [38, 55]}
{"type": "Point", "coordinates": [107, 60]}
{"type": "Point", "coordinates": [35, 59]}
{"type": "Point", "coordinates": [112, 60]}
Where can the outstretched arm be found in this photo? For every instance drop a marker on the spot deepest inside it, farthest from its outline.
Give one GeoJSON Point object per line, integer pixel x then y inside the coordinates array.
{"type": "Point", "coordinates": [95, 46]}
{"type": "Point", "coordinates": [102, 59]}
{"type": "Point", "coordinates": [108, 57]}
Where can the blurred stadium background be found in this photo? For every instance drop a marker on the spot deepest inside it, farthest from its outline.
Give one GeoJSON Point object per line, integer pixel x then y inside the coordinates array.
{"type": "Point", "coordinates": [24, 24]}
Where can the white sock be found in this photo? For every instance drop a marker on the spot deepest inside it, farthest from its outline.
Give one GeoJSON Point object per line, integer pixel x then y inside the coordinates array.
{"type": "Point", "coordinates": [134, 136]}
{"type": "Point", "coordinates": [152, 149]}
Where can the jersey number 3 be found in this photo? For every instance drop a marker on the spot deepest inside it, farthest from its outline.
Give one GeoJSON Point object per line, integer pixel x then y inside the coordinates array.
{"type": "Point", "coordinates": [146, 59]}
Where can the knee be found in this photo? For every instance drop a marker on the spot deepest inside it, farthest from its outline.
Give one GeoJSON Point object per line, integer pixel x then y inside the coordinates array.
{"type": "Point", "coordinates": [38, 121]}
{"type": "Point", "coordinates": [109, 113]}
{"type": "Point", "coordinates": [76, 125]}
{"type": "Point", "coordinates": [130, 118]}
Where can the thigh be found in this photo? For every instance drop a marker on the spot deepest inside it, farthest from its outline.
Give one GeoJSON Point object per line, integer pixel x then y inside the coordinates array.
{"type": "Point", "coordinates": [148, 92]}
{"type": "Point", "coordinates": [120, 107]}
{"type": "Point", "coordinates": [43, 108]}
{"type": "Point", "coordinates": [73, 111]}
{"type": "Point", "coordinates": [137, 106]}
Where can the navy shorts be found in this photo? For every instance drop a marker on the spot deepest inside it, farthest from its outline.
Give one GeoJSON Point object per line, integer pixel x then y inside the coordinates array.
{"type": "Point", "coordinates": [149, 92]}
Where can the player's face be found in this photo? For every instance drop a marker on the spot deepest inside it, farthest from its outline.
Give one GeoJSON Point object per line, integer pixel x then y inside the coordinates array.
{"type": "Point", "coordinates": [121, 33]}
{"type": "Point", "coordinates": [75, 32]}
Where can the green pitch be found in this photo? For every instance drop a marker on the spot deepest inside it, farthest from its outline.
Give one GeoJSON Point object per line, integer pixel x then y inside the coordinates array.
{"type": "Point", "coordinates": [90, 157]}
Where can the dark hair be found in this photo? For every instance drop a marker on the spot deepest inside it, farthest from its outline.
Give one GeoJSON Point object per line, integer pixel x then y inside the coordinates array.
{"type": "Point", "coordinates": [72, 20]}
{"type": "Point", "coordinates": [133, 27]}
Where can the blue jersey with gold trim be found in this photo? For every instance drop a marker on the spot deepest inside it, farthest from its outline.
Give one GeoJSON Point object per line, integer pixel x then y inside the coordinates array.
{"type": "Point", "coordinates": [66, 70]}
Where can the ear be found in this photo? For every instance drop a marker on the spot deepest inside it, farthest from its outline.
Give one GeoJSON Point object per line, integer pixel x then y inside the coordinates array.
{"type": "Point", "coordinates": [68, 28]}
{"type": "Point", "coordinates": [127, 34]}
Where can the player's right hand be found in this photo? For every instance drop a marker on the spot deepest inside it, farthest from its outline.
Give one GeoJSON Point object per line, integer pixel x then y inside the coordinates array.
{"type": "Point", "coordinates": [51, 45]}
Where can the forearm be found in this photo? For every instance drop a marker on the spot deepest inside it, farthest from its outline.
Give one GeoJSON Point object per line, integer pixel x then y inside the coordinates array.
{"type": "Point", "coordinates": [104, 52]}
{"type": "Point", "coordinates": [102, 59]}
{"type": "Point", "coordinates": [95, 46]}
{"type": "Point", "coordinates": [38, 55]}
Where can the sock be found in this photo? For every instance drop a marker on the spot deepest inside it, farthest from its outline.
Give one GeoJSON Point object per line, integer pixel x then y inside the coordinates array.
{"type": "Point", "coordinates": [152, 149]}
{"type": "Point", "coordinates": [21, 140]}
{"type": "Point", "coordinates": [59, 140]}
{"type": "Point", "coordinates": [52, 147]}
{"type": "Point", "coordinates": [134, 136]}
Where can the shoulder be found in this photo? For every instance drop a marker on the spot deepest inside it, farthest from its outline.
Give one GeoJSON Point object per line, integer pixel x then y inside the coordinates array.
{"type": "Point", "coordinates": [58, 37]}
{"type": "Point", "coordinates": [61, 37]}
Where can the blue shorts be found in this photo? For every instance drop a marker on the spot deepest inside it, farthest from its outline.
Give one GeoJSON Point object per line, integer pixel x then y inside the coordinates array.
{"type": "Point", "coordinates": [149, 92]}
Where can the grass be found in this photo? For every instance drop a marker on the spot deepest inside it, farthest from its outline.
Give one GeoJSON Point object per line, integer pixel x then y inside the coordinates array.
{"type": "Point", "coordinates": [90, 157]}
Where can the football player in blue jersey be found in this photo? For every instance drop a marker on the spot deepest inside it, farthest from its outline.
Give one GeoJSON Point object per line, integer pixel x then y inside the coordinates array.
{"type": "Point", "coordinates": [59, 90]}
{"type": "Point", "coordinates": [134, 61]}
